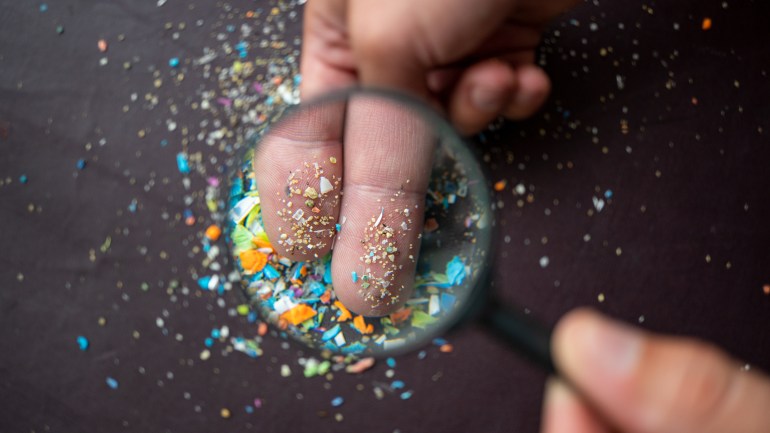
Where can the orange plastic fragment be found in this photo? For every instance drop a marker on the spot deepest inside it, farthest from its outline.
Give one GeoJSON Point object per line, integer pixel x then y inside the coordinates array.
{"type": "Point", "coordinates": [262, 329]}
{"type": "Point", "coordinates": [252, 260]}
{"type": "Point", "coordinates": [446, 348]}
{"type": "Point", "coordinates": [298, 314]}
{"type": "Point", "coordinates": [102, 44]}
{"type": "Point", "coordinates": [400, 315]}
{"type": "Point", "coordinates": [249, 14]}
{"type": "Point", "coordinates": [326, 297]}
{"type": "Point", "coordinates": [213, 232]}
{"type": "Point", "coordinates": [500, 185]}
{"type": "Point", "coordinates": [431, 225]}
{"type": "Point", "coordinates": [362, 326]}
{"type": "Point", "coordinates": [706, 24]}
{"type": "Point", "coordinates": [259, 243]}
{"type": "Point", "coordinates": [345, 316]}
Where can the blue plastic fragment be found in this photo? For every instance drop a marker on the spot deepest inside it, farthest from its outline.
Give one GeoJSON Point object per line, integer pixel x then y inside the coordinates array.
{"type": "Point", "coordinates": [82, 342]}
{"type": "Point", "coordinates": [354, 276]}
{"type": "Point", "coordinates": [43, 7]}
{"type": "Point", "coordinates": [328, 272]}
{"type": "Point", "coordinates": [391, 362]}
{"type": "Point", "coordinates": [173, 62]}
{"type": "Point", "coordinates": [397, 384]}
{"type": "Point", "coordinates": [337, 401]}
{"type": "Point", "coordinates": [215, 333]}
{"type": "Point", "coordinates": [406, 395]}
{"type": "Point", "coordinates": [81, 164]}
{"type": "Point", "coordinates": [208, 342]}
{"type": "Point", "coordinates": [112, 383]}
{"type": "Point", "coordinates": [249, 409]}
{"type": "Point", "coordinates": [182, 163]}
{"type": "Point", "coordinates": [331, 333]}
{"type": "Point", "coordinates": [608, 193]}
{"type": "Point", "coordinates": [447, 301]}
{"type": "Point", "coordinates": [270, 272]}
{"type": "Point", "coordinates": [439, 342]}
{"type": "Point", "coordinates": [422, 355]}
{"type": "Point", "coordinates": [356, 347]}
{"type": "Point", "coordinates": [203, 282]}
{"type": "Point", "coordinates": [455, 271]}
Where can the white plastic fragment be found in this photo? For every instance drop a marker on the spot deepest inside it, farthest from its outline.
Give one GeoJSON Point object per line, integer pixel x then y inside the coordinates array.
{"type": "Point", "coordinates": [326, 186]}
{"type": "Point", "coordinates": [433, 305]}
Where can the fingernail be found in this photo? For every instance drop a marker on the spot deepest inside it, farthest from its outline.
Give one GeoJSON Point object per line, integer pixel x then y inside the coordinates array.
{"type": "Point", "coordinates": [616, 347]}
{"type": "Point", "coordinates": [487, 99]}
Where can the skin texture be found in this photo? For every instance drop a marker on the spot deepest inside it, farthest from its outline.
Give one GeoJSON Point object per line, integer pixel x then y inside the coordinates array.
{"type": "Point", "coordinates": [476, 68]}
{"type": "Point", "coordinates": [635, 382]}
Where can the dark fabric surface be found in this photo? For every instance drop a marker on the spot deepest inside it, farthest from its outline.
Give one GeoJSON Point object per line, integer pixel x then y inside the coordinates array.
{"type": "Point", "coordinates": [674, 120]}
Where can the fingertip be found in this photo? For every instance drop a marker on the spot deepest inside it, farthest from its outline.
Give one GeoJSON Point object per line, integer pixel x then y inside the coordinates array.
{"type": "Point", "coordinates": [481, 94]}
{"type": "Point", "coordinates": [531, 93]}
{"type": "Point", "coordinates": [565, 412]}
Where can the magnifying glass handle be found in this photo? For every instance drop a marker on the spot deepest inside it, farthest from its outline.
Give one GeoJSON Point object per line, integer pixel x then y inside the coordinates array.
{"type": "Point", "coordinates": [527, 336]}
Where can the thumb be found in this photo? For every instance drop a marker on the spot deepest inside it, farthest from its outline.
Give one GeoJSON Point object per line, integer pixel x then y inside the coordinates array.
{"type": "Point", "coordinates": [643, 383]}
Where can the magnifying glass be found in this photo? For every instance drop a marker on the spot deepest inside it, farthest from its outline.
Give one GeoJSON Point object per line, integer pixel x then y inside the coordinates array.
{"type": "Point", "coordinates": [360, 223]}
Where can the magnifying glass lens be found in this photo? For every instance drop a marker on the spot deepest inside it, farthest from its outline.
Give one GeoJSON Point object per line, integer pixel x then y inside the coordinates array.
{"type": "Point", "coordinates": [359, 223]}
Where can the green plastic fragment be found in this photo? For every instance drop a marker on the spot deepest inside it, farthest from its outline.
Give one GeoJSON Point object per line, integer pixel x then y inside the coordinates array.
{"type": "Point", "coordinates": [421, 319]}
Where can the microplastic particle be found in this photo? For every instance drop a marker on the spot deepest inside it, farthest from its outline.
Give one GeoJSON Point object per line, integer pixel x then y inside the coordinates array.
{"type": "Point", "coordinates": [406, 395]}
{"type": "Point", "coordinates": [112, 383]}
{"type": "Point", "coordinates": [544, 261]}
{"type": "Point", "coordinates": [80, 164]}
{"type": "Point", "coordinates": [225, 413]}
{"type": "Point", "coordinates": [173, 62]}
{"type": "Point", "coordinates": [337, 401]}
{"type": "Point", "coordinates": [82, 343]}
{"type": "Point", "coordinates": [354, 276]}
{"type": "Point", "coordinates": [23, 178]}
{"type": "Point", "coordinates": [182, 164]}
{"type": "Point", "coordinates": [285, 370]}
{"type": "Point", "coordinates": [325, 185]}
{"type": "Point", "coordinates": [391, 362]}
{"type": "Point", "coordinates": [43, 7]}
{"type": "Point", "coordinates": [397, 384]}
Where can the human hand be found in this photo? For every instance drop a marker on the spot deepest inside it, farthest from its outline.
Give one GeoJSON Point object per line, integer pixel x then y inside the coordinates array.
{"type": "Point", "coordinates": [635, 382]}
{"type": "Point", "coordinates": [474, 62]}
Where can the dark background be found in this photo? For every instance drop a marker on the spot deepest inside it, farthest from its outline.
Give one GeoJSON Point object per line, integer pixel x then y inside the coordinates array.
{"type": "Point", "coordinates": [673, 119]}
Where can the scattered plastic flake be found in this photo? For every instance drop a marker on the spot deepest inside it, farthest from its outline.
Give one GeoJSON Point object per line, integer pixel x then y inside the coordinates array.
{"type": "Point", "coordinates": [285, 370]}
{"type": "Point", "coordinates": [337, 401]}
{"type": "Point", "coordinates": [173, 62]}
{"type": "Point", "coordinates": [83, 343]}
{"type": "Point", "coordinates": [112, 383]}
{"type": "Point", "coordinates": [544, 261]}
{"type": "Point", "coordinates": [80, 164]}
{"type": "Point", "coordinates": [182, 163]}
